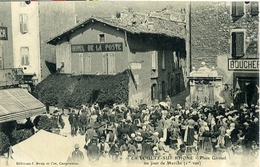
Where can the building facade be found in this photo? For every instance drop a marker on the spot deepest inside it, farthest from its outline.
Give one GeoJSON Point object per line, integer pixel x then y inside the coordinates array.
{"type": "Point", "coordinates": [22, 48]}
{"type": "Point", "coordinates": [101, 46]}
{"type": "Point", "coordinates": [28, 27]}
{"type": "Point", "coordinates": [225, 35]}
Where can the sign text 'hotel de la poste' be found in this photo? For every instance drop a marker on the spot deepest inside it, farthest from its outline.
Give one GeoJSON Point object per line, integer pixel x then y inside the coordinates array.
{"type": "Point", "coordinates": [104, 47]}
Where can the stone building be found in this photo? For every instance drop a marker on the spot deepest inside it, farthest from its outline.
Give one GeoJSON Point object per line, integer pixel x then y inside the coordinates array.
{"type": "Point", "coordinates": [107, 46]}
{"type": "Point", "coordinates": [225, 35]}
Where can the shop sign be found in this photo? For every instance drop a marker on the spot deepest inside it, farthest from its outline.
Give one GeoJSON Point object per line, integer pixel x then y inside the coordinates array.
{"type": "Point", "coordinates": [3, 33]}
{"type": "Point", "coordinates": [243, 64]}
{"type": "Point", "coordinates": [101, 47]}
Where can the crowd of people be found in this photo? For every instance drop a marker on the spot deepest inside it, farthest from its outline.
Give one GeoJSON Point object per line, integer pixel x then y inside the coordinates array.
{"type": "Point", "coordinates": [127, 132]}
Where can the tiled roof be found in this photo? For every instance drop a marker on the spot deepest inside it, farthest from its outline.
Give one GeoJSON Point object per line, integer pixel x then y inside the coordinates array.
{"type": "Point", "coordinates": [18, 104]}
{"type": "Point", "coordinates": [139, 24]}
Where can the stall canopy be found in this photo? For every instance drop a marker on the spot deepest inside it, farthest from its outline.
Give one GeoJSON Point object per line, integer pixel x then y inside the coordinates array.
{"type": "Point", "coordinates": [43, 147]}
{"type": "Point", "coordinates": [18, 104]}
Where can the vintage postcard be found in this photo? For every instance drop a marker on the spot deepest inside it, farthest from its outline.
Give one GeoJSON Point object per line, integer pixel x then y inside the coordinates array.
{"type": "Point", "coordinates": [129, 83]}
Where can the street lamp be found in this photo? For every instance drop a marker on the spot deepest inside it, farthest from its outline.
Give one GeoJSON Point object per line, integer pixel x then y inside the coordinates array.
{"type": "Point", "coordinates": [34, 80]}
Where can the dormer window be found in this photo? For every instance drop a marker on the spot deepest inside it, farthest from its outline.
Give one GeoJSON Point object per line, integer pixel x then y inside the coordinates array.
{"type": "Point", "coordinates": [101, 37]}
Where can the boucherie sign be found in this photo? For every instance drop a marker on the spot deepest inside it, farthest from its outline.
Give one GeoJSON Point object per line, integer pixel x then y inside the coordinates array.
{"type": "Point", "coordinates": [101, 47]}
{"type": "Point", "coordinates": [248, 64]}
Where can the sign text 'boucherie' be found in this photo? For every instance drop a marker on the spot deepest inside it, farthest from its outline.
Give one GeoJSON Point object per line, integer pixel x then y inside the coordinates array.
{"type": "Point", "coordinates": [243, 64]}
{"type": "Point", "coordinates": [3, 33]}
{"type": "Point", "coordinates": [104, 47]}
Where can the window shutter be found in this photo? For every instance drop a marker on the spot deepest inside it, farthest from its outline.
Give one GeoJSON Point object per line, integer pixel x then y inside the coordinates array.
{"type": "Point", "coordinates": [25, 20]}
{"type": "Point", "coordinates": [104, 60]}
{"type": "Point", "coordinates": [237, 44]}
{"type": "Point", "coordinates": [81, 64]}
{"type": "Point", "coordinates": [237, 9]}
{"type": "Point", "coordinates": [154, 57]}
{"type": "Point", "coordinates": [111, 63]}
{"type": "Point", "coordinates": [88, 63]}
{"type": "Point", "coordinates": [163, 60]}
{"type": "Point", "coordinates": [21, 22]}
{"type": "Point", "coordinates": [254, 8]}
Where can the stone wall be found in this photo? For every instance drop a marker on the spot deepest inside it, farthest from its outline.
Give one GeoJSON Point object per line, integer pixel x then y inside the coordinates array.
{"type": "Point", "coordinates": [211, 23]}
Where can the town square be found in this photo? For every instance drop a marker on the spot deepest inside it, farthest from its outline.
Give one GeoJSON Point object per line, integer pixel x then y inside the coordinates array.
{"type": "Point", "coordinates": [129, 83]}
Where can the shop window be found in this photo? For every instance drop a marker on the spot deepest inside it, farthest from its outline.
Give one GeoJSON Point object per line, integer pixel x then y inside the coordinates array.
{"type": "Point", "coordinates": [108, 60]}
{"type": "Point", "coordinates": [237, 9]}
{"type": "Point", "coordinates": [238, 43]}
{"type": "Point", "coordinates": [24, 56]}
{"type": "Point", "coordinates": [101, 37]}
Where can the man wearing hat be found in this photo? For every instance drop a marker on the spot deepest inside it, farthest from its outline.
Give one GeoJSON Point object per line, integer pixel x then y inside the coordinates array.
{"type": "Point", "coordinates": [77, 156]}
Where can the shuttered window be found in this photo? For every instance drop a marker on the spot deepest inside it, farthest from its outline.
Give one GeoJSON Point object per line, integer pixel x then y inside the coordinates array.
{"type": "Point", "coordinates": [237, 45]}
{"type": "Point", "coordinates": [24, 51]}
{"type": "Point", "coordinates": [154, 58]}
{"type": "Point", "coordinates": [109, 66]}
{"type": "Point", "coordinates": [23, 18]}
{"type": "Point", "coordinates": [87, 63]}
{"type": "Point", "coordinates": [237, 9]}
{"type": "Point", "coordinates": [254, 8]}
{"type": "Point", "coordinates": [163, 60]}
{"type": "Point", "coordinates": [81, 63]}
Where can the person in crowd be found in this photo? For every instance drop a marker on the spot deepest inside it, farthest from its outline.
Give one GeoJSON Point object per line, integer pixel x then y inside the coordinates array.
{"type": "Point", "coordinates": [73, 120]}
{"type": "Point", "coordinates": [93, 152]}
{"type": "Point", "coordinates": [150, 131]}
{"type": "Point", "coordinates": [181, 151]}
{"type": "Point", "coordinates": [147, 148]}
{"type": "Point", "coordinates": [103, 147]}
{"type": "Point", "coordinates": [77, 156]}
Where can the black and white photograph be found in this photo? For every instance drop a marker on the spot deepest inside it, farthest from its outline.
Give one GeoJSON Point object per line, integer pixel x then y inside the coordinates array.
{"type": "Point", "coordinates": [106, 83]}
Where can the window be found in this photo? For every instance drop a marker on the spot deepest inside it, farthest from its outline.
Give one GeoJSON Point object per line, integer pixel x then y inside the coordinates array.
{"type": "Point", "coordinates": [84, 63]}
{"type": "Point", "coordinates": [254, 8]}
{"type": "Point", "coordinates": [23, 23]}
{"type": "Point", "coordinates": [101, 37]}
{"type": "Point", "coordinates": [153, 92]}
{"type": "Point", "coordinates": [87, 63]}
{"type": "Point", "coordinates": [154, 58]}
{"type": "Point", "coordinates": [24, 56]}
{"type": "Point", "coordinates": [108, 60]}
{"type": "Point", "coordinates": [176, 59]}
{"type": "Point", "coordinates": [237, 9]}
{"type": "Point", "coordinates": [81, 63]}
{"type": "Point", "coordinates": [237, 43]}
{"type": "Point", "coordinates": [163, 60]}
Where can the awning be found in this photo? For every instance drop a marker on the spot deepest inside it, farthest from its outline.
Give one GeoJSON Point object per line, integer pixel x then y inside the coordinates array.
{"type": "Point", "coordinates": [18, 104]}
